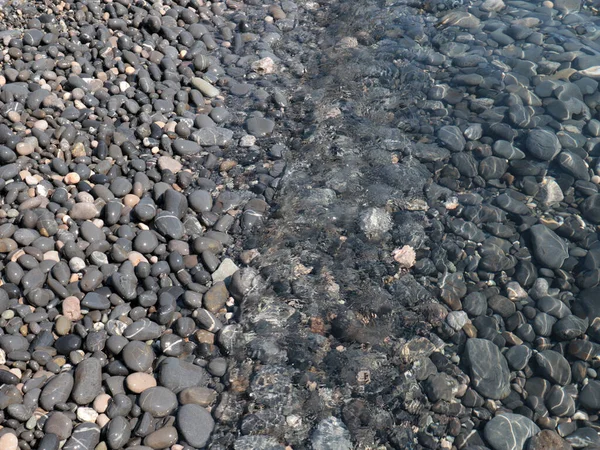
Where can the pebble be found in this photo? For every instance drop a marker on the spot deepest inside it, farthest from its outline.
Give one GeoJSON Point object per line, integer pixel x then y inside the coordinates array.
{"type": "Point", "coordinates": [88, 381]}
{"type": "Point", "coordinates": [548, 440]}
{"type": "Point", "coordinates": [194, 424]}
{"type": "Point", "coordinates": [158, 401]}
{"type": "Point", "coordinates": [509, 431]}
{"type": "Point", "coordinates": [550, 250]}
{"type": "Point", "coordinates": [138, 382]}
{"type": "Point", "coordinates": [9, 441]}
{"type": "Point", "coordinates": [489, 369]}
{"type": "Point", "coordinates": [543, 144]}
{"type": "Point", "coordinates": [205, 87]}
{"type": "Point", "coordinates": [554, 367]}
{"type": "Point", "coordinates": [177, 375]}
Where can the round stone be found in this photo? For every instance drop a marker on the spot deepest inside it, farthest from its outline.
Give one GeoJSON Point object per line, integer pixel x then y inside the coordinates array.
{"type": "Point", "coordinates": [195, 424]}
{"type": "Point", "coordinates": [158, 401]}
{"type": "Point", "coordinates": [542, 144]}
{"type": "Point", "coordinates": [138, 382]}
{"type": "Point", "coordinates": [138, 356]}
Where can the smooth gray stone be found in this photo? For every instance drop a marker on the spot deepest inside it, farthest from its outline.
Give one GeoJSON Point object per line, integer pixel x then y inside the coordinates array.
{"type": "Point", "coordinates": [570, 327]}
{"type": "Point", "coordinates": [85, 437]}
{"type": "Point", "coordinates": [195, 424]}
{"type": "Point", "coordinates": [489, 370]}
{"type": "Point", "coordinates": [549, 249]}
{"type": "Point", "coordinates": [176, 375]}
{"type": "Point", "coordinates": [35, 99]}
{"type": "Point", "coordinates": [138, 356]}
{"type": "Point", "coordinates": [574, 165]}
{"type": "Point", "coordinates": [91, 280]}
{"type": "Point", "coordinates": [118, 432]}
{"type": "Point", "coordinates": [175, 202]}
{"type": "Point", "coordinates": [93, 300]}
{"type": "Point", "coordinates": [169, 225]}
{"type": "Point", "coordinates": [554, 367]}
{"type": "Point", "coordinates": [145, 210]}
{"type": "Point", "coordinates": [585, 437]}
{"type": "Point", "coordinates": [518, 356]}
{"type": "Point", "coordinates": [88, 381]}
{"type": "Point", "coordinates": [553, 306]}
{"type": "Point", "coordinates": [91, 232]}
{"type": "Point", "coordinates": [158, 401]}
{"type": "Point", "coordinates": [509, 431]}
{"type": "Point", "coordinates": [542, 144]}
{"type": "Point", "coordinates": [259, 126]}
{"type": "Point", "coordinates": [452, 138]}
{"type": "Point", "coordinates": [143, 330]}
{"type": "Point", "coordinates": [200, 201]}
{"type": "Point", "coordinates": [59, 424]}
{"type": "Point", "coordinates": [145, 242]}
{"type": "Point", "coordinates": [57, 390]}
{"type": "Point", "coordinates": [50, 441]}
{"type": "Point", "coordinates": [589, 397]}
{"type": "Point", "coordinates": [125, 285]}
{"type": "Point", "coordinates": [13, 342]}
{"type": "Point", "coordinates": [184, 147]}
{"type": "Point", "coordinates": [559, 402]}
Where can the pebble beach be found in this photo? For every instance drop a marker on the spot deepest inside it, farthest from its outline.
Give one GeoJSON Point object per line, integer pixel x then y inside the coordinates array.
{"type": "Point", "coordinates": [278, 225]}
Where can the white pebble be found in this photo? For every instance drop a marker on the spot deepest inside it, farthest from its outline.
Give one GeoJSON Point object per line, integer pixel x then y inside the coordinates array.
{"type": "Point", "coordinates": [76, 264]}
{"type": "Point", "coordinates": [86, 414]}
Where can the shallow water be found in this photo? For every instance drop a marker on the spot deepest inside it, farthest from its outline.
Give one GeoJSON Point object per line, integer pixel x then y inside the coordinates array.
{"type": "Point", "coordinates": [370, 115]}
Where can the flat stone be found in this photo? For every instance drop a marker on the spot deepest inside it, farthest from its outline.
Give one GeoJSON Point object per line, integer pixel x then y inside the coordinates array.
{"type": "Point", "coordinates": [84, 211]}
{"type": "Point", "coordinates": [542, 144]}
{"type": "Point", "coordinates": [57, 390]}
{"type": "Point", "coordinates": [162, 438]}
{"type": "Point", "coordinates": [59, 424]}
{"type": "Point", "coordinates": [589, 397]}
{"type": "Point", "coordinates": [590, 208]}
{"type": "Point", "coordinates": [209, 137]}
{"type": "Point", "coordinates": [176, 375]}
{"type": "Point", "coordinates": [585, 437]}
{"type": "Point", "coordinates": [88, 381]}
{"type": "Point", "coordinates": [489, 370]}
{"type": "Point", "coordinates": [559, 402]}
{"type": "Point", "coordinates": [216, 297]}
{"type": "Point", "coordinates": [198, 395]}
{"type": "Point", "coordinates": [138, 382]}
{"type": "Point", "coordinates": [509, 431]}
{"type": "Point", "coordinates": [225, 271]}
{"type": "Point", "coordinates": [138, 356]}
{"type": "Point", "coordinates": [9, 441]}
{"type": "Point", "coordinates": [195, 424]}
{"type": "Point", "coordinates": [518, 356]}
{"type": "Point", "coordinates": [452, 138]}
{"type": "Point", "coordinates": [93, 300]}
{"type": "Point", "coordinates": [143, 330]}
{"type": "Point", "coordinates": [158, 401]}
{"type": "Point", "coordinates": [554, 367]}
{"type": "Point", "coordinates": [184, 147]}
{"type": "Point", "coordinates": [85, 437]}
{"type": "Point", "coordinates": [118, 432]}
{"type": "Point", "coordinates": [549, 249]}
{"type": "Point", "coordinates": [259, 126]}
{"type": "Point", "coordinates": [168, 163]}
{"type": "Point", "coordinates": [169, 225]}
{"type": "Point", "coordinates": [205, 87]}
